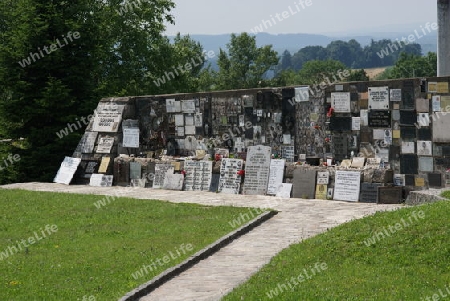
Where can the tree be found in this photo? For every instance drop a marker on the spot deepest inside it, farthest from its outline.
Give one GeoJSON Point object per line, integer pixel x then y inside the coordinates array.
{"type": "Point", "coordinates": [315, 72]}
{"type": "Point", "coordinates": [358, 75]}
{"type": "Point", "coordinates": [286, 60]}
{"type": "Point", "coordinates": [58, 58]}
{"type": "Point", "coordinates": [244, 64]}
{"type": "Point", "coordinates": [410, 65]}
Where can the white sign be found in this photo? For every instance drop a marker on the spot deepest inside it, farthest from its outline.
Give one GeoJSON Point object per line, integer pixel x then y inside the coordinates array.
{"type": "Point", "coordinates": [379, 98]}
{"type": "Point", "coordinates": [284, 190]}
{"type": "Point", "coordinates": [99, 180]}
{"type": "Point", "coordinates": [275, 175]}
{"type": "Point", "coordinates": [347, 186]}
{"type": "Point", "coordinates": [399, 179]}
{"type": "Point", "coordinates": [424, 148]}
{"type": "Point", "coordinates": [340, 101]}
{"type": "Point", "coordinates": [107, 118]}
{"type": "Point", "coordinates": [131, 137]}
{"type": "Point", "coordinates": [67, 170]}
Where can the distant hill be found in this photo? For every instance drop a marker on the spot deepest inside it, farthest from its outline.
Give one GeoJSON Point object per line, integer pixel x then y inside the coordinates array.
{"type": "Point", "coordinates": [294, 42]}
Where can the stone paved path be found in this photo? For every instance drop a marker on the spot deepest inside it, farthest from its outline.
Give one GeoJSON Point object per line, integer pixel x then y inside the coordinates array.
{"type": "Point", "coordinates": [217, 275]}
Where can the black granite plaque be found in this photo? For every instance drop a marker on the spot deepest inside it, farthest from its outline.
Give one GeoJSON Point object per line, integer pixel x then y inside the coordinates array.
{"type": "Point", "coordinates": [362, 87]}
{"type": "Point", "coordinates": [304, 184]}
{"type": "Point", "coordinates": [408, 100]}
{"type": "Point", "coordinates": [366, 136]}
{"type": "Point", "coordinates": [394, 152]}
{"type": "Point", "coordinates": [408, 164]}
{"type": "Point", "coordinates": [424, 133]}
{"type": "Point", "coordinates": [390, 195]}
{"type": "Point", "coordinates": [380, 118]}
{"type": "Point", "coordinates": [340, 144]}
{"type": "Point", "coordinates": [354, 96]}
{"type": "Point", "coordinates": [341, 123]}
{"type": "Point", "coordinates": [407, 132]}
{"type": "Point", "coordinates": [410, 180]}
{"type": "Point", "coordinates": [443, 162]}
{"type": "Point", "coordinates": [445, 151]}
{"type": "Point", "coordinates": [408, 117]}
{"type": "Point", "coordinates": [214, 183]}
{"type": "Point", "coordinates": [435, 180]}
{"type": "Point", "coordinates": [288, 92]}
{"type": "Point", "coordinates": [369, 193]}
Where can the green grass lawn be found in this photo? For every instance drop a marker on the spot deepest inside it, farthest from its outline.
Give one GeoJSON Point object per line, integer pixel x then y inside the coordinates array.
{"type": "Point", "coordinates": [410, 260]}
{"type": "Point", "coordinates": [92, 252]}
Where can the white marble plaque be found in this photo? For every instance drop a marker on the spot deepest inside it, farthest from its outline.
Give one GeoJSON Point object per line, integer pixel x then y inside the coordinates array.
{"type": "Point", "coordinates": [347, 186]}
{"type": "Point", "coordinates": [396, 94]}
{"type": "Point", "coordinates": [198, 175]}
{"type": "Point", "coordinates": [170, 106]}
{"type": "Point", "coordinates": [131, 137]}
{"type": "Point", "coordinates": [99, 180]}
{"type": "Point", "coordinates": [378, 98]}
{"type": "Point", "coordinates": [340, 101]}
{"type": "Point", "coordinates": [230, 180]}
{"type": "Point", "coordinates": [198, 120]}
{"type": "Point", "coordinates": [275, 175]}
{"type": "Point", "coordinates": [180, 131]}
{"type": "Point", "coordinates": [284, 191]}
{"type": "Point", "coordinates": [301, 94]}
{"type": "Point", "coordinates": [88, 142]}
{"type": "Point", "coordinates": [188, 106]}
{"type": "Point", "coordinates": [408, 147]}
{"type": "Point", "coordinates": [104, 145]}
{"type": "Point", "coordinates": [173, 181]}
{"type": "Point", "coordinates": [399, 179]}
{"type": "Point", "coordinates": [424, 148]}
{"type": "Point", "coordinates": [179, 120]}
{"type": "Point", "coordinates": [356, 123]}
{"type": "Point", "coordinates": [257, 167]}
{"type": "Point", "coordinates": [287, 153]}
{"type": "Point", "coordinates": [67, 170]}
{"type": "Point", "coordinates": [323, 177]}
{"type": "Point", "coordinates": [426, 164]}
{"type": "Point", "coordinates": [189, 130]}
{"type": "Point", "coordinates": [189, 120]}
{"type": "Point", "coordinates": [436, 103]}
{"type": "Point", "coordinates": [107, 118]}
{"type": "Point", "coordinates": [160, 173]}
{"type": "Point", "coordinates": [423, 119]}
{"type": "Point", "coordinates": [364, 115]}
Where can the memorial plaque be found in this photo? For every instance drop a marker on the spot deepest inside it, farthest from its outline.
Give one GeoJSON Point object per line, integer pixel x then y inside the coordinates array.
{"type": "Point", "coordinates": [410, 180]}
{"type": "Point", "coordinates": [378, 98]}
{"type": "Point", "coordinates": [432, 87]}
{"type": "Point", "coordinates": [422, 105]}
{"type": "Point", "coordinates": [107, 118]}
{"type": "Point", "coordinates": [364, 115]}
{"type": "Point", "coordinates": [408, 164]}
{"type": "Point", "coordinates": [214, 183]}
{"type": "Point", "coordinates": [100, 180]}
{"type": "Point", "coordinates": [396, 94]}
{"type": "Point", "coordinates": [135, 170]}
{"type": "Point", "coordinates": [173, 181]}
{"type": "Point", "coordinates": [446, 151]}
{"type": "Point", "coordinates": [366, 136]}
{"type": "Point", "coordinates": [380, 118]}
{"type": "Point", "coordinates": [408, 117]}
{"type": "Point", "coordinates": [390, 195]}
{"type": "Point", "coordinates": [442, 87]}
{"type": "Point", "coordinates": [150, 174]}
{"type": "Point", "coordinates": [104, 164]}
{"type": "Point", "coordinates": [130, 137]}
{"type": "Point", "coordinates": [420, 182]}
{"type": "Point", "coordinates": [436, 103]}
{"type": "Point", "coordinates": [356, 123]}
{"type": "Point", "coordinates": [369, 193]}
{"type": "Point", "coordinates": [284, 190]}
{"type": "Point", "coordinates": [304, 184]}
{"type": "Point", "coordinates": [121, 171]}
{"type": "Point", "coordinates": [188, 106]}
{"type": "Point", "coordinates": [445, 103]}
{"type": "Point", "coordinates": [257, 169]}
{"type": "Point", "coordinates": [424, 148]}
{"type": "Point", "coordinates": [287, 153]}
{"type": "Point", "coordinates": [230, 180]}
{"type": "Point", "coordinates": [408, 98]}
{"type": "Point", "coordinates": [323, 177]}
{"type": "Point", "coordinates": [198, 175]}
{"type": "Point", "coordinates": [358, 162]}
{"type": "Point", "coordinates": [423, 119]}
{"type": "Point", "coordinates": [347, 185]}
{"type": "Point", "coordinates": [396, 115]}
{"type": "Point", "coordinates": [435, 180]}
{"type": "Point", "coordinates": [424, 133]}
{"type": "Point", "coordinates": [67, 170]}
{"type": "Point", "coordinates": [160, 173]}
{"type": "Point", "coordinates": [104, 145]}
{"type": "Point", "coordinates": [441, 132]}
{"type": "Point", "coordinates": [301, 94]}
{"type": "Point", "coordinates": [340, 101]}
{"type": "Point", "coordinates": [340, 147]}
{"type": "Point", "coordinates": [321, 192]}
{"type": "Point", "coordinates": [275, 176]}
{"type": "Point", "coordinates": [88, 142]}
{"type": "Point", "coordinates": [399, 180]}
{"type": "Point", "coordinates": [341, 123]}
{"type": "Point", "coordinates": [407, 132]}
{"type": "Point", "coordinates": [426, 164]}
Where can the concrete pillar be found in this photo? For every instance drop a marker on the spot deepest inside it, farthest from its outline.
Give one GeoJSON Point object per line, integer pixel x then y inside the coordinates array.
{"type": "Point", "coordinates": [443, 52]}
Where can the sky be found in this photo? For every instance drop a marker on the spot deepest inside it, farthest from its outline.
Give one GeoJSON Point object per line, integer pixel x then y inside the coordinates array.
{"type": "Point", "coordinates": [310, 16]}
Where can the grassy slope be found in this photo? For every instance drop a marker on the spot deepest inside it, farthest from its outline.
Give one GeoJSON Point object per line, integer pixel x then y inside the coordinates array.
{"type": "Point", "coordinates": [95, 251]}
{"type": "Point", "coordinates": [410, 264]}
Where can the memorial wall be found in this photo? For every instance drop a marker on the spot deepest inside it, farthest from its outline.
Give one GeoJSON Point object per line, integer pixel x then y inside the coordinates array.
{"type": "Point", "coordinates": [334, 143]}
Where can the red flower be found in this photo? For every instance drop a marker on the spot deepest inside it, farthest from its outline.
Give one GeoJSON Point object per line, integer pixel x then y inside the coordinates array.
{"type": "Point", "coordinates": [241, 172]}
{"type": "Point", "coordinates": [330, 112]}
